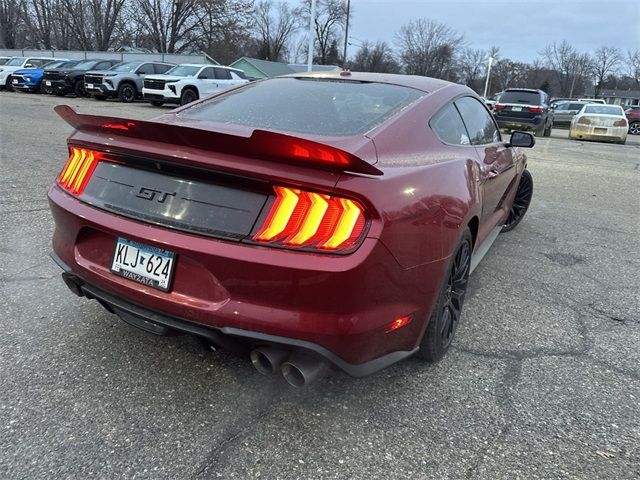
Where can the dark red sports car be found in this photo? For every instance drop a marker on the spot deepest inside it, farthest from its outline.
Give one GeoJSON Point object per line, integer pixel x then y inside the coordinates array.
{"type": "Point", "coordinates": [314, 220]}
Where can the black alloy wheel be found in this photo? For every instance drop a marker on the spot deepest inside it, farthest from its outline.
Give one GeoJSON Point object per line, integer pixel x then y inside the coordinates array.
{"type": "Point", "coordinates": [634, 128]}
{"type": "Point", "coordinates": [188, 95]}
{"type": "Point", "coordinates": [446, 314]}
{"type": "Point", "coordinates": [521, 202]}
{"type": "Point", "coordinates": [44, 89]}
{"type": "Point", "coordinates": [127, 93]}
{"type": "Point", "coordinates": [79, 90]}
{"type": "Point", "coordinates": [8, 85]}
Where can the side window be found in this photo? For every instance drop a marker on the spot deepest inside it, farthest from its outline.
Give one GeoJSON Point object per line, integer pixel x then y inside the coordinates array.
{"type": "Point", "coordinates": [36, 62]}
{"type": "Point", "coordinates": [480, 125]}
{"type": "Point", "coordinates": [238, 74]}
{"type": "Point", "coordinates": [207, 73]}
{"type": "Point", "coordinates": [448, 126]}
{"type": "Point", "coordinates": [222, 74]}
{"type": "Point", "coordinates": [145, 69]}
{"type": "Point", "coordinates": [161, 68]}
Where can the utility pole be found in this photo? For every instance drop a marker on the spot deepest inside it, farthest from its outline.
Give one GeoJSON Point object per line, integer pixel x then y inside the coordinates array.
{"type": "Point", "coordinates": [346, 36]}
{"type": "Point", "coordinates": [312, 20]}
{"type": "Point", "coordinates": [486, 82]}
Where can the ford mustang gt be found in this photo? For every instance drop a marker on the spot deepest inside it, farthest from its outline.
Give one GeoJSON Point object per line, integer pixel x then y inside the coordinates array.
{"type": "Point", "coordinates": [314, 221]}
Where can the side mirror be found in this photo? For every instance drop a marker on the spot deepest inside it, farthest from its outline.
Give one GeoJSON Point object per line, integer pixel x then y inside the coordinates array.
{"type": "Point", "coordinates": [28, 65]}
{"type": "Point", "coordinates": [522, 139]}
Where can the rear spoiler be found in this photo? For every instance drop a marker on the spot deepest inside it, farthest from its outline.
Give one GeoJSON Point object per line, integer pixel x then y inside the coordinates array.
{"type": "Point", "coordinates": [262, 144]}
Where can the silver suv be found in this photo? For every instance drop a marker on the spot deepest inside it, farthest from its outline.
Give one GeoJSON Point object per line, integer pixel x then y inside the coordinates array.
{"type": "Point", "coordinates": [122, 81]}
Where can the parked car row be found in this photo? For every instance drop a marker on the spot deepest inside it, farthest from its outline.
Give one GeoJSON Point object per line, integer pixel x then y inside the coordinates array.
{"type": "Point", "coordinates": [156, 82]}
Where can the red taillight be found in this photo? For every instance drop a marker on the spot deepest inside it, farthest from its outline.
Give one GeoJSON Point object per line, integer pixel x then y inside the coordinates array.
{"type": "Point", "coordinates": [536, 109]}
{"type": "Point", "coordinates": [499, 106]}
{"type": "Point", "coordinates": [620, 123]}
{"type": "Point", "coordinates": [303, 219]}
{"type": "Point", "coordinates": [78, 170]}
{"type": "Point", "coordinates": [584, 121]}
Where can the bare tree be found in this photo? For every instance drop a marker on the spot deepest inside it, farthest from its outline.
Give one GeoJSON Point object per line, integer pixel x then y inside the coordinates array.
{"type": "Point", "coordinates": [472, 66]}
{"type": "Point", "coordinates": [569, 65]}
{"type": "Point", "coordinates": [223, 29]}
{"type": "Point", "coordinates": [375, 58]}
{"type": "Point", "coordinates": [509, 74]}
{"type": "Point", "coordinates": [605, 61]}
{"type": "Point", "coordinates": [11, 25]}
{"type": "Point", "coordinates": [165, 25]}
{"type": "Point", "coordinates": [633, 66]}
{"type": "Point", "coordinates": [429, 48]}
{"type": "Point", "coordinates": [274, 25]}
{"type": "Point", "coordinates": [105, 15]}
{"type": "Point", "coordinates": [330, 18]}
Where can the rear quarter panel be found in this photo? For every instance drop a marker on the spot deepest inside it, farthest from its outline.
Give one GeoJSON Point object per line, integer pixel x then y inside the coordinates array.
{"type": "Point", "coordinates": [429, 190]}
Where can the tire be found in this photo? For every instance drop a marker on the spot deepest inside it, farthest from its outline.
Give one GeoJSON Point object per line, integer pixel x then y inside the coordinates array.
{"type": "Point", "coordinates": [156, 103]}
{"type": "Point", "coordinates": [634, 128]}
{"type": "Point", "coordinates": [8, 86]}
{"type": "Point", "coordinates": [520, 203]}
{"type": "Point", "coordinates": [100, 98]}
{"type": "Point", "coordinates": [447, 312]}
{"type": "Point", "coordinates": [44, 89]}
{"type": "Point", "coordinates": [127, 93]}
{"type": "Point", "coordinates": [547, 131]}
{"type": "Point", "coordinates": [539, 132]}
{"type": "Point", "coordinates": [79, 90]}
{"type": "Point", "coordinates": [188, 95]}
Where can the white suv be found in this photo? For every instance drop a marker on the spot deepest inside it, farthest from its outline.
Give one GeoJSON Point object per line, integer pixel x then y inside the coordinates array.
{"type": "Point", "coordinates": [188, 82]}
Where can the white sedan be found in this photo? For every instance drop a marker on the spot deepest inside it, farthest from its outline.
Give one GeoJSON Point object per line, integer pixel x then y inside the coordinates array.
{"type": "Point", "coordinates": [600, 122]}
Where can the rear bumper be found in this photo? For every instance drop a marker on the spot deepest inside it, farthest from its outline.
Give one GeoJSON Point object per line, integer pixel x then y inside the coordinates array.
{"type": "Point", "coordinates": [520, 123]}
{"type": "Point", "coordinates": [160, 324]}
{"type": "Point", "coordinates": [339, 307]}
{"type": "Point", "coordinates": [605, 134]}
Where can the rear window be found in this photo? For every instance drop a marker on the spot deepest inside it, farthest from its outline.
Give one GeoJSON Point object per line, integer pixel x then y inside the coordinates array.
{"type": "Point", "coordinates": [526, 98]}
{"type": "Point", "coordinates": [308, 105]}
{"type": "Point", "coordinates": [603, 110]}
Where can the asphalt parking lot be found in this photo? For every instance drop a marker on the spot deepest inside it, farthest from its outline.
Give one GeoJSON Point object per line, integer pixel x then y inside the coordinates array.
{"type": "Point", "coordinates": [543, 380]}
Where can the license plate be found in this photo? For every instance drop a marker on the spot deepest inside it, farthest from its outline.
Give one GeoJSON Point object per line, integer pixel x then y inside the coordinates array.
{"type": "Point", "coordinates": [143, 264]}
{"type": "Point", "coordinates": [599, 130]}
{"type": "Point", "coordinates": [47, 83]}
{"type": "Point", "coordinates": [89, 85]}
{"type": "Point", "coordinates": [516, 109]}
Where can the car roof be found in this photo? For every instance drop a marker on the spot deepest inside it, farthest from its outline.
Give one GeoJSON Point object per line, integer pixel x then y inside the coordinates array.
{"type": "Point", "coordinates": [425, 84]}
{"type": "Point", "coordinates": [532, 90]}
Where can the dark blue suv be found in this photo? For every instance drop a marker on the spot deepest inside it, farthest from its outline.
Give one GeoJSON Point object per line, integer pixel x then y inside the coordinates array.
{"type": "Point", "coordinates": [524, 109]}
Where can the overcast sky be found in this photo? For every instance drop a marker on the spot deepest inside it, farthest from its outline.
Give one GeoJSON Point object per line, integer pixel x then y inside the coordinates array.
{"type": "Point", "coordinates": [520, 28]}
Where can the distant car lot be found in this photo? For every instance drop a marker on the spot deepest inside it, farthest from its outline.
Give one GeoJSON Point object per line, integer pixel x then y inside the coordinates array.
{"type": "Point", "coordinates": [543, 381]}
